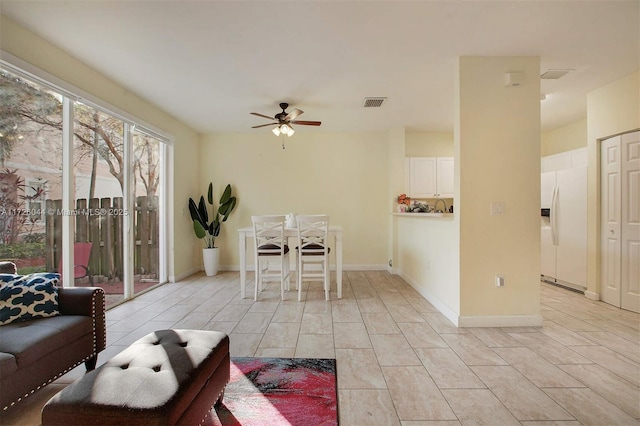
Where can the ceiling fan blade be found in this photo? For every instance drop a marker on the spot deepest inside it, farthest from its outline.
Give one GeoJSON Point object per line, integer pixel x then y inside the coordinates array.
{"type": "Point", "coordinates": [263, 125]}
{"type": "Point", "coordinates": [307, 123]}
{"type": "Point", "coordinates": [261, 115]}
{"type": "Point", "coordinates": [293, 114]}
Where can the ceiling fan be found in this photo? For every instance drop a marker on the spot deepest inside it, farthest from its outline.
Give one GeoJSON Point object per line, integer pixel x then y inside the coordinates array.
{"type": "Point", "coordinates": [284, 120]}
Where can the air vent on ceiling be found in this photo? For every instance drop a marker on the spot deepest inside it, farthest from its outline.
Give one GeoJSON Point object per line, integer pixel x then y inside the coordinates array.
{"type": "Point", "coordinates": [373, 102]}
{"type": "Point", "coordinates": [554, 74]}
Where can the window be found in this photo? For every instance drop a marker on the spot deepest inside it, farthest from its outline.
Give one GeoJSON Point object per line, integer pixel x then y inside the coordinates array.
{"type": "Point", "coordinates": [112, 167]}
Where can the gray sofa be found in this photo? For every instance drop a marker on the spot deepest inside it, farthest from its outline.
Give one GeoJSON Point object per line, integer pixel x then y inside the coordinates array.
{"type": "Point", "coordinates": [35, 352]}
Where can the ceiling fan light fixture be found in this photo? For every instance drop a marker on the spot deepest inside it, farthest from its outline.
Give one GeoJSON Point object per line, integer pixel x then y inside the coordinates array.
{"type": "Point", "coordinates": [284, 128]}
{"type": "Point", "coordinates": [276, 131]}
{"type": "Point", "coordinates": [290, 132]}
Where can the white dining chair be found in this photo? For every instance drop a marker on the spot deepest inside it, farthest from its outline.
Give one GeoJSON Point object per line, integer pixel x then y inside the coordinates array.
{"type": "Point", "coordinates": [313, 248]}
{"type": "Point", "coordinates": [270, 244]}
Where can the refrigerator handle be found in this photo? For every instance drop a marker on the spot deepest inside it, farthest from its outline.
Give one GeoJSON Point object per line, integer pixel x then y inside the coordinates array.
{"type": "Point", "coordinates": [554, 216]}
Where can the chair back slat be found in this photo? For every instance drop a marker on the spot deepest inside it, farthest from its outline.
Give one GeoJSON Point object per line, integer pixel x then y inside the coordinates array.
{"type": "Point", "coordinates": [269, 234]}
{"type": "Point", "coordinates": [313, 234]}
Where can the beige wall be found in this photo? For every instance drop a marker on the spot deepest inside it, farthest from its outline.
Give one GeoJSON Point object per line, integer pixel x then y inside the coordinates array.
{"type": "Point", "coordinates": [40, 53]}
{"type": "Point", "coordinates": [611, 110]}
{"type": "Point", "coordinates": [497, 123]}
{"type": "Point", "coordinates": [344, 175]}
{"type": "Point", "coordinates": [429, 144]}
{"type": "Point", "coordinates": [565, 138]}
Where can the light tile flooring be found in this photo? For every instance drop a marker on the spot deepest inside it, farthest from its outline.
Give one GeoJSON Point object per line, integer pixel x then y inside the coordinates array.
{"type": "Point", "coordinates": [402, 362]}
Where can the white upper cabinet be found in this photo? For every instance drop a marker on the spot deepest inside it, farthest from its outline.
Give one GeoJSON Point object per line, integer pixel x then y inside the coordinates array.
{"type": "Point", "coordinates": [564, 160]}
{"type": "Point", "coordinates": [430, 177]}
{"type": "Point", "coordinates": [444, 180]}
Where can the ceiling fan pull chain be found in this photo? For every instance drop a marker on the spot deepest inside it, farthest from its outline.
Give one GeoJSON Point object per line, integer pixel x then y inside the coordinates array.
{"type": "Point", "coordinates": [283, 141]}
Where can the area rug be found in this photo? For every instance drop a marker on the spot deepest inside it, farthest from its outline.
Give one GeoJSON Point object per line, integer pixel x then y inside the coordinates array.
{"type": "Point", "coordinates": [279, 391]}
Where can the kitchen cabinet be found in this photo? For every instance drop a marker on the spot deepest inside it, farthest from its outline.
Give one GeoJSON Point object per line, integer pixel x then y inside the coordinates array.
{"type": "Point", "coordinates": [430, 177]}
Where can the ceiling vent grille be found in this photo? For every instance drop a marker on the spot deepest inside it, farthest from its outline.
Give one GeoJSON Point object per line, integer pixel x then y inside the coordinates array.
{"type": "Point", "coordinates": [373, 102]}
{"type": "Point", "coordinates": [554, 74]}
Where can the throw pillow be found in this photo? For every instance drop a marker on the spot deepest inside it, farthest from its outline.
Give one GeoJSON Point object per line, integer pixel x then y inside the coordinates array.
{"type": "Point", "coordinates": [29, 297]}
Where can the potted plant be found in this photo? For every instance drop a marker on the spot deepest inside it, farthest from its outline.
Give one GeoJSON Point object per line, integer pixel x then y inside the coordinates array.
{"type": "Point", "coordinates": [210, 230]}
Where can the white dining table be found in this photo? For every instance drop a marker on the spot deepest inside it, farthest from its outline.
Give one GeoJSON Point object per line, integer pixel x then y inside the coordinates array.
{"type": "Point", "coordinates": [335, 233]}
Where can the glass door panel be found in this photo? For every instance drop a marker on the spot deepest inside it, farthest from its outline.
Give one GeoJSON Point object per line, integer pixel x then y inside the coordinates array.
{"type": "Point", "coordinates": [30, 174]}
{"type": "Point", "coordinates": [147, 187]}
{"type": "Point", "coordinates": [98, 159]}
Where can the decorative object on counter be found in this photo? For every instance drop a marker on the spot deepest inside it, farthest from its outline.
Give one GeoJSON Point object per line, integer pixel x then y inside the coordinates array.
{"type": "Point", "coordinates": [291, 220]}
{"type": "Point", "coordinates": [451, 209]}
{"type": "Point", "coordinates": [402, 208]}
{"type": "Point", "coordinates": [403, 199]}
{"type": "Point", "coordinates": [420, 208]}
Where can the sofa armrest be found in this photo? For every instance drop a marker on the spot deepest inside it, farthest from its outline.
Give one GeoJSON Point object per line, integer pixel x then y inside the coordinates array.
{"type": "Point", "coordinates": [87, 301]}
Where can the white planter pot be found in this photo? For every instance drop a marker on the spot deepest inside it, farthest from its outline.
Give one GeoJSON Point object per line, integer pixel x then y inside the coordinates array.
{"type": "Point", "coordinates": [211, 258]}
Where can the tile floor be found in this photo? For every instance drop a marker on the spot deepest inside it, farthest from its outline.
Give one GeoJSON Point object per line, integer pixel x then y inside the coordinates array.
{"type": "Point", "coordinates": [400, 362]}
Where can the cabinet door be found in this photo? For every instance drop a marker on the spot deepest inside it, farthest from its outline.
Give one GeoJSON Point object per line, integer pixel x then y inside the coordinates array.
{"type": "Point", "coordinates": [444, 179]}
{"type": "Point", "coordinates": [422, 177]}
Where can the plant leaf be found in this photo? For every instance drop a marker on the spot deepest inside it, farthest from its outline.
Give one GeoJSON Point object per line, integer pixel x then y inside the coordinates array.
{"type": "Point", "coordinates": [226, 194]}
{"type": "Point", "coordinates": [226, 209]}
{"type": "Point", "coordinates": [195, 213]}
{"type": "Point", "coordinates": [199, 229]}
{"type": "Point", "coordinates": [202, 209]}
{"type": "Point", "coordinates": [210, 193]}
{"type": "Point", "coordinates": [215, 227]}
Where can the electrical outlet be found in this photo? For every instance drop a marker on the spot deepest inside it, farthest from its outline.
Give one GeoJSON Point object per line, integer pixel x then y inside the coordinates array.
{"type": "Point", "coordinates": [499, 280]}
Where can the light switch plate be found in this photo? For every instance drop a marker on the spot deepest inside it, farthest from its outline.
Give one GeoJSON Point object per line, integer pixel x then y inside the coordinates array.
{"type": "Point", "coordinates": [497, 208]}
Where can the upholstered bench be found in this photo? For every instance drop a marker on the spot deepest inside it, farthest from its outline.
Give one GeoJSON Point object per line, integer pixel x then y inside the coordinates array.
{"type": "Point", "coordinates": [167, 377]}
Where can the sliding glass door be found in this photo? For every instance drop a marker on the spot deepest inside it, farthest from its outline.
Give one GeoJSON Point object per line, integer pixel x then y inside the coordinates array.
{"type": "Point", "coordinates": [114, 185]}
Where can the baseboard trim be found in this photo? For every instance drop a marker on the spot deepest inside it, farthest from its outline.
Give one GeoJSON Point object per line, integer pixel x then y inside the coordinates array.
{"type": "Point", "coordinates": [500, 321]}
{"type": "Point", "coordinates": [187, 273]}
{"type": "Point", "coordinates": [445, 310]}
{"type": "Point", "coordinates": [591, 295]}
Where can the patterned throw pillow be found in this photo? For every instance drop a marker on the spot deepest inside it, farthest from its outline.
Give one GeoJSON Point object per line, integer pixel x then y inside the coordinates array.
{"type": "Point", "coordinates": [28, 297]}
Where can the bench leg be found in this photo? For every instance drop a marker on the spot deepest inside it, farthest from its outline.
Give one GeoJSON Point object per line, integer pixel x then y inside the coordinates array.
{"type": "Point", "coordinates": [90, 364]}
{"type": "Point", "coordinates": [219, 401]}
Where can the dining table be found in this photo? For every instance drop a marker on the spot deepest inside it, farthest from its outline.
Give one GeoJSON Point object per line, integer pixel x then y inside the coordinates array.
{"type": "Point", "coordinates": [244, 234]}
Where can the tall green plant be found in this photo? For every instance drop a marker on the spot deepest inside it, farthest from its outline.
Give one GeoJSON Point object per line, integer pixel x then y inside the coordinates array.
{"type": "Point", "coordinates": [200, 215]}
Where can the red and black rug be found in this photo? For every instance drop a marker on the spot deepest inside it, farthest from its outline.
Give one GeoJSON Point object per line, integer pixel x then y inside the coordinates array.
{"type": "Point", "coordinates": [279, 391]}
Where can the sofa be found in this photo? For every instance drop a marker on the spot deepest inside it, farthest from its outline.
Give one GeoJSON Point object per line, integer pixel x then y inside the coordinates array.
{"type": "Point", "coordinates": [34, 350]}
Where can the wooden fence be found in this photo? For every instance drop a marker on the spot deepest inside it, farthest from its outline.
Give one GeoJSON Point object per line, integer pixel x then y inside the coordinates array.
{"type": "Point", "coordinates": [101, 221]}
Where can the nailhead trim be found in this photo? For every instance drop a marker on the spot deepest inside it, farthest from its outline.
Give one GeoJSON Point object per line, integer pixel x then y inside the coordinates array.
{"type": "Point", "coordinates": [205, 416]}
{"type": "Point", "coordinates": [95, 349]}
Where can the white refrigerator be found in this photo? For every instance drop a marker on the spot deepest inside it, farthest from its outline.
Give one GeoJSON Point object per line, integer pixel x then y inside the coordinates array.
{"type": "Point", "coordinates": [564, 227]}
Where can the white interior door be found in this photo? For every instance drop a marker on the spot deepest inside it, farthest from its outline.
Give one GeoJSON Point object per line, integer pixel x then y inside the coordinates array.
{"type": "Point", "coordinates": [610, 221]}
{"type": "Point", "coordinates": [630, 221]}
{"type": "Point", "coordinates": [571, 257]}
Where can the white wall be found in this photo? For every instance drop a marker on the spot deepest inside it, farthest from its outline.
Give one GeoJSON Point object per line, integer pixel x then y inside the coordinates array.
{"type": "Point", "coordinates": [38, 52]}
{"type": "Point", "coordinates": [428, 259]}
{"type": "Point", "coordinates": [344, 175]}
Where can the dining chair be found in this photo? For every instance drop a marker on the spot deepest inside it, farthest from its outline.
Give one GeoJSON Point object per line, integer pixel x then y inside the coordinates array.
{"type": "Point", "coordinates": [270, 243]}
{"type": "Point", "coordinates": [313, 248]}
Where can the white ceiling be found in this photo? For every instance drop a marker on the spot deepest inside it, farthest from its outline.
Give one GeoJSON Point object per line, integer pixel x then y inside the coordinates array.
{"type": "Point", "coordinates": [210, 63]}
